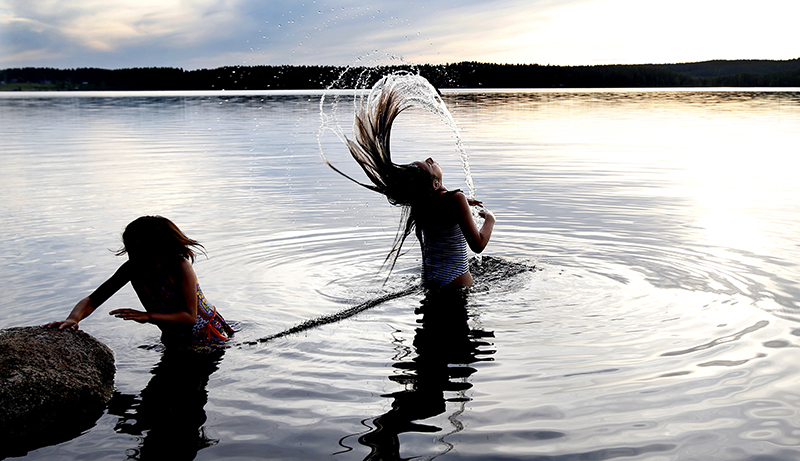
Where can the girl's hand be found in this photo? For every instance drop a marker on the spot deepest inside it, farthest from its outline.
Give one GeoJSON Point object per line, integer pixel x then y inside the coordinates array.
{"type": "Point", "coordinates": [69, 323]}
{"type": "Point", "coordinates": [477, 239]}
{"type": "Point", "coordinates": [131, 314]}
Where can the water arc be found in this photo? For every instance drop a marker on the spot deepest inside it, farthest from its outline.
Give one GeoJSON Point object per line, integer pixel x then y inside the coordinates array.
{"type": "Point", "coordinates": [413, 90]}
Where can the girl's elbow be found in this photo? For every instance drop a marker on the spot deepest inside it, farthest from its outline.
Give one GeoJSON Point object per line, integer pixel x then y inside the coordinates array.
{"type": "Point", "coordinates": [183, 317]}
{"type": "Point", "coordinates": [477, 248]}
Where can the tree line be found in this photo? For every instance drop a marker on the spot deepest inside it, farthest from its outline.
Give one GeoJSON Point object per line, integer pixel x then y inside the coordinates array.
{"type": "Point", "coordinates": [752, 73]}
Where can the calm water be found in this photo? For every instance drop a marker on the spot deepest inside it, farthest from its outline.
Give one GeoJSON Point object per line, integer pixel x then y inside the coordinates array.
{"type": "Point", "coordinates": [662, 320]}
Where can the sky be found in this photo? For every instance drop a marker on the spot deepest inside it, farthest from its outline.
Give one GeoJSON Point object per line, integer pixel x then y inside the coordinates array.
{"type": "Point", "coordinates": [196, 34]}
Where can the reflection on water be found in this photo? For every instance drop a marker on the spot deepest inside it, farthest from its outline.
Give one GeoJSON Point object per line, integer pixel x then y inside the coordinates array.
{"type": "Point", "coordinates": [439, 363]}
{"type": "Point", "coordinates": [167, 416]}
{"type": "Point", "coordinates": [660, 321]}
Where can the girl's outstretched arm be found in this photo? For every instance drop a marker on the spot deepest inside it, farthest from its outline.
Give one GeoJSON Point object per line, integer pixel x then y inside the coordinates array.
{"type": "Point", "coordinates": [187, 312]}
{"type": "Point", "coordinates": [477, 239]}
{"type": "Point", "coordinates": [88, 304]}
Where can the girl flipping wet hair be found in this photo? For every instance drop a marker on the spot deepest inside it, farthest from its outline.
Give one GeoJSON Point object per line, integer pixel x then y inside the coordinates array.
{"type": "Point", "coordinates": [159, 268]}
{"type": "Point", "coordinates": [441, 219]}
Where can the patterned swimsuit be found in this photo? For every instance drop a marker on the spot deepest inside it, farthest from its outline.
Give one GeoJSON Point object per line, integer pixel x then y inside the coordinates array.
{"type": "Point", "coordinates": [444, 255]}
{"type": "Point", "coordinates": [209, 327]}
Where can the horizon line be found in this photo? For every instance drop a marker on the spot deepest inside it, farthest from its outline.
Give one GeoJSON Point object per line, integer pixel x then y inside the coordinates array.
{"type": "Point", "coordinates": [411, 65]}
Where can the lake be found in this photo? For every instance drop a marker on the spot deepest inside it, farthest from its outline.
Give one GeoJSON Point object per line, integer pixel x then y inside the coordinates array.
{"type": "Point", "coordinates": [639, 298]}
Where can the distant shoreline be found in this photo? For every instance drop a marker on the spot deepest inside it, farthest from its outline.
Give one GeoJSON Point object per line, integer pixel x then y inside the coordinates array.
{"type": "Point", "coordinates": [475, 75]}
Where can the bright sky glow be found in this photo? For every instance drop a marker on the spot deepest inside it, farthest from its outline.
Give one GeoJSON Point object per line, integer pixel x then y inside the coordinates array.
{"type": "Point", "coordinates": [210, 33]}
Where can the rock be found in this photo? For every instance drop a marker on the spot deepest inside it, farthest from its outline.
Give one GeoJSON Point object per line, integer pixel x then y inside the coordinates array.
{"type": "Point", "coordinates": [54, 384]}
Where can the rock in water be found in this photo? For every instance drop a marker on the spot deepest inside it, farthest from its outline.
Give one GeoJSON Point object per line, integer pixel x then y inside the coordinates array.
{"type": "Point", "coordinates": [54, 384]}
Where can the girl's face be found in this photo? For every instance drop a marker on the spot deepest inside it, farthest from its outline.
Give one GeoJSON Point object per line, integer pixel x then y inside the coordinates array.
{"type": "Point", "coordinates": [434, 169]}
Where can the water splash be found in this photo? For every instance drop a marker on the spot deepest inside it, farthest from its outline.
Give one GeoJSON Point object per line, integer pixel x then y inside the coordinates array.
{"type": "Point", "coordinates": [492, 273]}
{"type": "Point", "coordinates": [413, 90]}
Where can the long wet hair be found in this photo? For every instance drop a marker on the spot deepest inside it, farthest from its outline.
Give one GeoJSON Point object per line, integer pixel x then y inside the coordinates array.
{"type": "Point", "coordinates": [157, 239]}
{"type": "Point", "coordinates": [407, 185]}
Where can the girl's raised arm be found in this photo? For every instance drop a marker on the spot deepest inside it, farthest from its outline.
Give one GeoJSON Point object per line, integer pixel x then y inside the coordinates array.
{"type": "Point", "coordinates": [88, 304]}
{"type": "Point", "coordinates": [477, 239]}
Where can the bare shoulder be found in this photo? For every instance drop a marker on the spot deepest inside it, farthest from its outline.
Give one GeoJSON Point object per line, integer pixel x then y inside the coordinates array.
{"type": "Point", "coordinates": [457, 198]}
{"type": "Point", "coordinates": [125, 270]}
{"type": "Point", "coordinates": [459, 207]}
{"type": "Point", "coordinates": [186, 266]}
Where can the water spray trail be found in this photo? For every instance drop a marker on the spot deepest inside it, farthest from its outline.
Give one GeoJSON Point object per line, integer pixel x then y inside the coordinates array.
{"type": "Point", "coordinates": [336, 317]}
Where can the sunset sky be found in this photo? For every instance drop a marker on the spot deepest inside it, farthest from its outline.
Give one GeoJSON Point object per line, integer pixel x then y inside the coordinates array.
{"type": "Point", "coordinates": [194, 34]}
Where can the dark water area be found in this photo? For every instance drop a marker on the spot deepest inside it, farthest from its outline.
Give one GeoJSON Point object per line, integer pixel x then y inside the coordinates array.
{"type": "Point", "coordinates": [639, 299]}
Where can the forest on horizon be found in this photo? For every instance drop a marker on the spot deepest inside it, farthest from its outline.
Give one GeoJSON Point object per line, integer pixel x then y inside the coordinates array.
{"type": "Point", "coordinates": [716, 73]}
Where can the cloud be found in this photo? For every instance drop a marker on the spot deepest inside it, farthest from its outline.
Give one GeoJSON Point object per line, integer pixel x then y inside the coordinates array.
{"type": "Point", "coordinates": [324, 34]}
{"type": "Point", "coordinates": [20, 36]}
{"type": "Point", "coordinates": [88, 32]}
{"type": "Point", "coordinates": [211, 33]}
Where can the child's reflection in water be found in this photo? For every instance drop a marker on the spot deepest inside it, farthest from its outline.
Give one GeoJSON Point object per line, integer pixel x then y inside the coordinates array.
{"type": "Point", "coordinates": [444, 339]}
{"type": "Point", "coordinates": [168, 415]}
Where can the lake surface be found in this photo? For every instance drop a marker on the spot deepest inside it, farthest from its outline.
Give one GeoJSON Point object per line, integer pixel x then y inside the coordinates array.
{"type": "Point", "coordinates": [661, 320]}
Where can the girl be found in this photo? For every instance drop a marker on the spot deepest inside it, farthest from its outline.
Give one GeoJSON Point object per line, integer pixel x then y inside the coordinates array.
{"type": "Point", "coordinates": [159, 269]}
{"type": "Point", "coordinates": [440, 218]}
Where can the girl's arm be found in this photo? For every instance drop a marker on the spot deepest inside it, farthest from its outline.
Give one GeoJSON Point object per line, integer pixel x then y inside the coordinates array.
{"type": "Point", "coordinates": [88, 304]}
{"type": "Point", "coordinates": [477, 239]}
{"type": "Point", "coordinates": [187, 312]}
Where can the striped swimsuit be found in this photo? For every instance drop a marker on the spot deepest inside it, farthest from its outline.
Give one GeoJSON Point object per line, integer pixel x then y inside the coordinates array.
{"type": "Point", "coordinates": [444, 255]}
